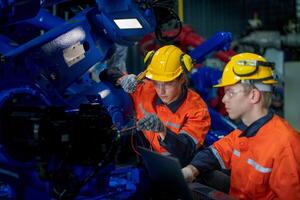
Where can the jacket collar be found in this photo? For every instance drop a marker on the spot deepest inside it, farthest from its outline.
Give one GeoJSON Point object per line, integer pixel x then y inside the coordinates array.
{"type": "Point", "coordinates": [177, 103]}
{"type": "Point", "coordinates": [252, 130]}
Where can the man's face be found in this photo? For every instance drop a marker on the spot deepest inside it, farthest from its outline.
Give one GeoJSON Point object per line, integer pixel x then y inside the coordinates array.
{"type": "Point", "coordinates": [236, 100]}
{"type": "Point", "coordinates": [169, 92]}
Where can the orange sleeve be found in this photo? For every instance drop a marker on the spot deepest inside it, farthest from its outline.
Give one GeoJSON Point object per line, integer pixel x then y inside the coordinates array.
{"type": "Point", "coordinates": [223, 149]}
{"type": "Point", "coordinates": [135, 95]}
{"type": "Point", "coordinates": [141, 89]}
{"type": "Point", "coordinates": [285, 178]}
{"type": "Point", "coordinates": [197, 125]}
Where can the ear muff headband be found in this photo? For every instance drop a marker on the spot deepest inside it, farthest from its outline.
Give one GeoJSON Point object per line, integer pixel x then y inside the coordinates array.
{"type": "Point", "coordinates": [249, 67]}
{"type": "Point", "coordinates": [186, 63]}
{"type": "Point", "coordinates": [148, 58]}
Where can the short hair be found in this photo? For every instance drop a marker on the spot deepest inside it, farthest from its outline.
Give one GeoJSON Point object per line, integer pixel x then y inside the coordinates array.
{"type": "Point", "coordinates": [266, 96]}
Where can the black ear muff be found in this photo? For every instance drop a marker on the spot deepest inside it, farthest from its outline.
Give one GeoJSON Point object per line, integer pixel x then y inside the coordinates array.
{"type": "Point", "coordinates": [148, 58]}
{"type": "Point", "coordinates": [266, 64]}
{"type": "Point", "coordinates": [186, 63]}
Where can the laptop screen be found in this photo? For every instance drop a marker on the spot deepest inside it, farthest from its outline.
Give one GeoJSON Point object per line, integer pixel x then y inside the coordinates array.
{"type": "Point", "coordinates": [166, 174]}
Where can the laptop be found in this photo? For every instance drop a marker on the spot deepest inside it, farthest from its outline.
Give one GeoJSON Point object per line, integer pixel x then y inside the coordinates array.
{"type": "Point", "coordinates": [165, 173]}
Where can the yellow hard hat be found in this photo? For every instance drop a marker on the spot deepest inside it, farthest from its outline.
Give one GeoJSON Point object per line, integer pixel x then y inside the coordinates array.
{"type": "Point", "coordinates": [167, 63]}
{"type": "Point", "coordinates": [247, 66]}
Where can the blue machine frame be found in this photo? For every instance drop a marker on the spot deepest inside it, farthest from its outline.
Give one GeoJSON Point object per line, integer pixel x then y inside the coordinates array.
{"type": "Point", "coordinates": [50, 69]}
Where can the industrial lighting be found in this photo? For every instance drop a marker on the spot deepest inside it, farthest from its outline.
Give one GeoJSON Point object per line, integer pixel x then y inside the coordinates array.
{"type": "Point", "coordinates": [128, 23]}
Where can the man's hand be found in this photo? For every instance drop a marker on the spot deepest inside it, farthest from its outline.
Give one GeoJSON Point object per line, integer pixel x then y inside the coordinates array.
{"type": "Point", "coordinates": [151, 123]}
{"type": "Point", "coordinates": [128, 83]}
{"type": "Point", "coordinates": [189, 173]}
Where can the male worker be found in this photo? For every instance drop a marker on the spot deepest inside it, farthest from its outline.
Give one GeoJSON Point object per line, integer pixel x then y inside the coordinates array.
{"type": "Point", "coordinates": [173, 118]}
{"type": "Point", "coordinates": [263, 155]}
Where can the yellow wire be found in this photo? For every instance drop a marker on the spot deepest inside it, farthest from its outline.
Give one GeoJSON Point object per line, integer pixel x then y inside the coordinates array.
{"type": "Point", "coordinates": [180, 9]}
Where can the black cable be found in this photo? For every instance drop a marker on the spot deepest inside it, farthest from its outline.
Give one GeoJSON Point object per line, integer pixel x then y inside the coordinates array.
{"type": "Point", "coordinates": [164, 13]}
{"type": "Point", "coordinates": [163, 2]}
{"type": "Point", "coordinates": [158, 31]}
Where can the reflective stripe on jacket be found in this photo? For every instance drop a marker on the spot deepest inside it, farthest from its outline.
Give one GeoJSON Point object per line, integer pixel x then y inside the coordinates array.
{"type": "Point", "coordinates": [265, 166]}
{"type": "Point", "coordinates": [191, 118]}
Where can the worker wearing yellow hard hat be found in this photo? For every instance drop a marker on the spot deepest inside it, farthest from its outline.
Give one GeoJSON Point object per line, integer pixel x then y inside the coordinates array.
{"type": "Point", "coordinates": [263, 153]}
{"type": "Point", "coordinates": [247, 66]}
{"type": "Point", "coordinates": [173, 118]}
{"type": "Point", "coordinates": [166, 64]}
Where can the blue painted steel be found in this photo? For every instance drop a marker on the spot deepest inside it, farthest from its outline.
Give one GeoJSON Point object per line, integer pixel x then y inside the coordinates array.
{"type": "Point", "coordinates": [125, 9]}
{"type": "Point", "coordinates": [203, 79]}
{"type": "Point", "coordinates": [220, 127]}
{"type": "Point", "coordinates": [117, 102]}
{"type": "Point", "coordinates": [52, 69]}
{"type": "Point", "coordinates": [43, 57]}
{"type": "Point", "coordinates": [6, 44]}
{"type": "Point", "coordinates": [13, 11]}
{"type": "Point", "coordinates": [8, 95]}
{"type": "Point", "coordinates": [7, 191]}
{"type": "Point", "coordinates": [45, 20]}
{"type": "Point", "coordinates": [114, 99]}
{"type": "Point", "coordinates": [219, 41]}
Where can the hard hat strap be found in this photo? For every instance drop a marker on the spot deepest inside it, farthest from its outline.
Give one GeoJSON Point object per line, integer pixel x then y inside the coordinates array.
{"type": "Point", "coordinates": [265, 64]}
{"type": "Point", "coordinates": [259, 85]}
{"type": "Point", "coordinates": [252, 63]}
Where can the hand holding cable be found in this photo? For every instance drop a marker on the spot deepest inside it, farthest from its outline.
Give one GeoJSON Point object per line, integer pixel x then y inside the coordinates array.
{"type": "Point", "coordinates": [151, 123]}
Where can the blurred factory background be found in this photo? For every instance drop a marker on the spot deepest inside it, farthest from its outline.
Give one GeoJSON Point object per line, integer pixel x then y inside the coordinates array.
{"type": "Point", "coordinates": [270, 28]}
{"type": "Point", "coordinates": [52, 52]}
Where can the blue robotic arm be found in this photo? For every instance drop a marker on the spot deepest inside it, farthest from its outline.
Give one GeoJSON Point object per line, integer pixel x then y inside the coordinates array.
{"type": "Point", "coordinates": [41, 70]}
{"type": "Point", "coordinates": [50, 63]}
{"type": "Point", "coordinates": [219, 41]}
{"type": "Point", "coordinates": [68, 49]}
{"type": "Point", "coordinates": [204, 78]}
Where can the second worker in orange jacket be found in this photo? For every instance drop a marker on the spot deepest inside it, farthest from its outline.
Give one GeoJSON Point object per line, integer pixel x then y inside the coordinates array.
{"type": "Point", "coordinates": [173, 118]}
{"type": "Point", "coordinates": [263, 154]}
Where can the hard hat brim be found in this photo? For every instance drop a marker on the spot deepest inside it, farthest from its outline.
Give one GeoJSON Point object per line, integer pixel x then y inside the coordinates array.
{"type": "Point", "coordinates": [222, 85]}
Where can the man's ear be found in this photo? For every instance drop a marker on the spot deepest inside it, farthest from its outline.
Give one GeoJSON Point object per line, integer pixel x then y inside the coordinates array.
{"type": "Point", "coordinates": [255, 95]}
{"type": "Point", "coordinates": [182, 79]}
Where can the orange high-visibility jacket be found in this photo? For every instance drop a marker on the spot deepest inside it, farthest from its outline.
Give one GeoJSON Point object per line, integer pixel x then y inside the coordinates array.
{"type": "Point", "coordinates": [265, 166]}
{"type": "Point", "coordinates": [190, 118]}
